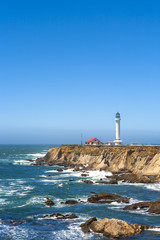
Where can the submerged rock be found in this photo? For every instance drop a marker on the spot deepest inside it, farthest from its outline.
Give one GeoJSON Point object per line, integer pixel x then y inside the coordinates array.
{"type": "Point", "coordinates": [16, 223]}
{"type": "Point", "coordinates": [105, 197]}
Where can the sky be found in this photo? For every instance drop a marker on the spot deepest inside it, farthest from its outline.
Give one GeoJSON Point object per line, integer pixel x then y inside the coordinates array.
{"type": "Point", "coordinates": [67, 67]}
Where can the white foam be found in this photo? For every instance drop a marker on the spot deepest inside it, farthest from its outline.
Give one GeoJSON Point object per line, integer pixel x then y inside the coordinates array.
{"type": "Point", "coordinates": [23, 162]}
{"type": "Point", "coordinates": [154, 229]}
{"type": "Point", "coordinates": [60, 185]}
{"type": "Point", "coordinates": [51, 180]}
{"type": "Point", "coordinates": [35, 201]}
{"type": "Point", "coordinates": [37, 155]}
{"type": "Point", "coordinates": [154, 187]}
{"type": "Point", "coordinates": [50, 171]}
{"type": "Point", "coordinates": [73, 232]}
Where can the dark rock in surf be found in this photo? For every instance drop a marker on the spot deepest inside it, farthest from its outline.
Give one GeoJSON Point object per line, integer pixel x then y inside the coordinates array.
{"type": "Point", "coordinates": [105, 197]}
{"type": "Point", "coordinates": [112, 181]}
{"type": "Point", "coordinates": [59, 170]}
{"type": "Point", "coordinates": [84, 175]}
{"type": "Point", "coordinates": [88, 181]}
{"type": "Point", "coordinates": [140, 205]}
{"type": "Point", "coordinates": [49, 202]}
{"type": "Point", "coordinates": [155, 207]}
{"type": "Point", "coordinates": [71, 202]}
{"type": "Point", "coordinates": [61, 216]}
{"type": "Point", "coordinates": [85, 226]}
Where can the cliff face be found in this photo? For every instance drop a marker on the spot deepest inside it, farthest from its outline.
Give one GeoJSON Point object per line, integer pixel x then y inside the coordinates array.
{"type": "Point", "coordinates": [138, 159]}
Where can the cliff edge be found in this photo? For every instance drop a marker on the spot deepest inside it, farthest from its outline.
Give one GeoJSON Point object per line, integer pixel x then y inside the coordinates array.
{"type": "Point", "coordinates": [137, 159]}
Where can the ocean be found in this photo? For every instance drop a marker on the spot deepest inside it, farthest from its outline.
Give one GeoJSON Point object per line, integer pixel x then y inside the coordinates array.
{"type": "Point", "coordinates": [23, 189]}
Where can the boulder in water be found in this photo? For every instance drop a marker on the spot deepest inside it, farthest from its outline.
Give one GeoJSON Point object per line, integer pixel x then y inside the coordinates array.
{"type": "Point", "coordinates": [49, 202]}
{"type": "Point", "coordinates": [105, 197]}
{"type": "Point", "coordinates": [155, 207]}
{"type": "Point", "coordinates": [59, 170]}
{"type": "Point", "coordinates": [71, 202]}
{"type": "Point", "coordinates": [113, 228]}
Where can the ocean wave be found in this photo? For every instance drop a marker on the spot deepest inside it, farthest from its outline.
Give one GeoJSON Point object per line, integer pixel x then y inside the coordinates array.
{"type": "Point", "coordinates": [37, 155]}
{"type": "Point", "coordinates": [156, 229]}
{"type": "Point", "coordinates": [73, 232]}
{"type": "Point", "coordinates": [23, 162]}
{"type": "Point", "coordinates": [154, 187]}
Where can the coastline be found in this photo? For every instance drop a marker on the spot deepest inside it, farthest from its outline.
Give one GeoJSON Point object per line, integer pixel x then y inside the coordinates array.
{"type": "Point", "coordinates": [142, 160]}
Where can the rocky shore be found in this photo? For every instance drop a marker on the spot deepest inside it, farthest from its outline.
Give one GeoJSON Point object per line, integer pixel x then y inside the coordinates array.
{"type": "Point", "coordinates": [138, 164]}
{"type": "Point", "coordinates": [142, 160]}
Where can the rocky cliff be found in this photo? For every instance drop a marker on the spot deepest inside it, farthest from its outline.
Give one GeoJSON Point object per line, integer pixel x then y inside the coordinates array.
{"type": "Point", "coordinates": [137, 159]}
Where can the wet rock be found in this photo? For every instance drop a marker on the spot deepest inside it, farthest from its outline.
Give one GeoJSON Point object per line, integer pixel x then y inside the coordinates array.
{"type": "Point", "coordinates": [71, 202]}
{"type": "Point", "coordinates": [49, 202]}
{"type": "Point", "coordinates": [155, 207]}
{"type": "Point", "coordinates": [88, 181]}
{"type": "Point", "coordinates": [84, 175]}
{"type": "Point", "coordinates": [59, 170]}
{"type": "Point", "coordinates": [140, 205]}
{"type": "Point", "coordinates": [10, 163]}
{"type": "Point", "coordinates": [85, 226]}
{"type": "Point", "coordinates": [48, 175]}
{"type": "Point", "coordinates": [85, 229]}
{"type": "Point", "coordinates": [112, 181]}
{"type": "Point", "coordinates": [79, 168]}
{"type": "Point", "coordinates": [132, 178]}
{"type": "Point", "coordinates": [61, 216]}
{"type": "Point", "coordinates": [107, 198]}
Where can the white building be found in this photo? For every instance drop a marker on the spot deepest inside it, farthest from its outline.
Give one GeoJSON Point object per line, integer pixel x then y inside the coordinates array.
{"type": "Point", "coordinates": [118, 141]}
{"type": "Point", "coordinates": [94, 141]}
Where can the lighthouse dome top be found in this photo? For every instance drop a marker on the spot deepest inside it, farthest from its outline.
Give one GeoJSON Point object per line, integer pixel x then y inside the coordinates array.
{"type": "Point", "coordinates": [117, 115]}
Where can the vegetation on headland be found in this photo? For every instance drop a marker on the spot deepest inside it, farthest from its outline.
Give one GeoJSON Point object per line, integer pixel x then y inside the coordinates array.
{"type": "Point", "coordinates": [137, 159]}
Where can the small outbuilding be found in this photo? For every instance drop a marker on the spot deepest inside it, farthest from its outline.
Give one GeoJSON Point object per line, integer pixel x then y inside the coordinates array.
{"type": "Point", "coordinates": [94, 141]}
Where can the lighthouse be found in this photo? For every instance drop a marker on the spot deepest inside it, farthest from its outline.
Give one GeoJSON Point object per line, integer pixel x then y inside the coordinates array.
{"type": "Point", "coordinates": [118, 141]}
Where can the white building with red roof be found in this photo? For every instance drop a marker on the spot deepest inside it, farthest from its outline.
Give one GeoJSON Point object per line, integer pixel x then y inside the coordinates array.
{"type": "Point", "coordinates": [93, 141]}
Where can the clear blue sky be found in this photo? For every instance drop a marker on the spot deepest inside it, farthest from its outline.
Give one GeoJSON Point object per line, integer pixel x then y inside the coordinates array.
{"type": "Point", "coordinates": [68, 66]}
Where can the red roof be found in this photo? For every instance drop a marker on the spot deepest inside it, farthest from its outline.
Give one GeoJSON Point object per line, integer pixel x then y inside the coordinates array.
{"type": "Point", "coordinates": [93, 140]}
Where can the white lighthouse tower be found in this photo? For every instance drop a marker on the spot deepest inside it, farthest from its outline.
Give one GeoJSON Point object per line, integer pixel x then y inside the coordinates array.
{"type": "Point", "coordinates": [118, 141]}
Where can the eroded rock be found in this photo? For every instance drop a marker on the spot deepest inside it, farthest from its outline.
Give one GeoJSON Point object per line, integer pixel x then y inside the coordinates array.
{"type": "Point", "coordinates": [113, 228]}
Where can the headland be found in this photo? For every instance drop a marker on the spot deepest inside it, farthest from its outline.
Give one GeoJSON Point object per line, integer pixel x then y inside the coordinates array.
{"type": "Point", "coordinates": [143, 160]}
